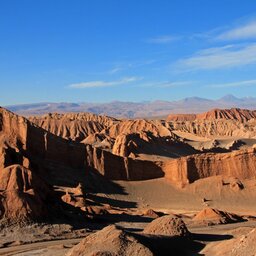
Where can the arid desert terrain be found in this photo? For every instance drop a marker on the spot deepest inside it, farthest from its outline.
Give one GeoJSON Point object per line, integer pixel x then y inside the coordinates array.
{"type": "Point", "coordinates": [86, 184]}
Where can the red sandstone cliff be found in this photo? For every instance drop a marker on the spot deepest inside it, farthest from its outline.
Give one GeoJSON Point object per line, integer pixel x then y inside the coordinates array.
{"type": "Point", "coordinates": [28, 156]}
{"type": "Point", "coordinates": [241, 115]}
{"type": "Point", "coordinates": [74, 126]}
{"type": "Point", "coordinates": [240, 164]}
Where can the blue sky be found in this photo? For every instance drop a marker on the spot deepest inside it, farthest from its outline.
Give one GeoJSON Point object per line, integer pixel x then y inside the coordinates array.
{"type": "Point", "coordinates": [128, 50]}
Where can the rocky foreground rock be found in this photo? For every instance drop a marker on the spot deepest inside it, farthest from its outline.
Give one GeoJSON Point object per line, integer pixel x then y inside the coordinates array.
{"type": "Point", "coordinates": [113, 241]}
{"type": "Point", "coordinates": [110, 241]}
{"type": "Point", "coordinates": [167, 226]}
{"type": "Point", "coordinates": [210, 216]}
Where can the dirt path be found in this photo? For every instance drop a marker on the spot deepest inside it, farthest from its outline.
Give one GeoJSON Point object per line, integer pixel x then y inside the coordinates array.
{"type": "Point", "coordinates": [49, 245]}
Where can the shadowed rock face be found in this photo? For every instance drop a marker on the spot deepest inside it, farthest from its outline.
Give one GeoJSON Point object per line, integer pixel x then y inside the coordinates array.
{"type": "Point", "coordinates": [27, 154]}
{"type": "Point", "coordinates": [134, 144]}
{"type": "Point", "coordinates": [121, 168]}
{"type": "Point", "coordinates": [23, 142]}
{"type": "Point", "coordinates": [23, 194]}
{"type": "Point", "coordinates": [21, 139]}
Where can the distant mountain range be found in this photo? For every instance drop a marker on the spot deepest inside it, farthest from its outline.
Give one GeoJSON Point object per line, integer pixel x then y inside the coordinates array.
{"type": "Point", "coordinates": [137, 109]}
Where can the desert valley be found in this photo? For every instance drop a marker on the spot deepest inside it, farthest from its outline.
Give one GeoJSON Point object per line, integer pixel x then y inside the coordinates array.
{"type": "Point", "coordinates": [127, 128]}
{"type": "Point", "coordinates": [87, 184]}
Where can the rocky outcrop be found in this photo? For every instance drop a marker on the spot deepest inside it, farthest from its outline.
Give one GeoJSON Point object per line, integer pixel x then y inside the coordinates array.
{"type": "Point", "coordinates": [156, 128]}
{"type": "Point", "coordinates": [26, 144]}
{"type": "Point", "coordinates": [125, 144]}
{"type": "Point", "coordinates": [110, 241]}
{"type": "Point", "coordinates": [167, 226]}
{"type": "Point", "coordinates": [81, 125]}
{"type": "Point", "coordinates": [23, 194]}
{"type": "Point", "coordinates": [121, 168]}
{"type": "Point", "coordinates": [29, 156]}
{"type": "Point", "coordinates": [240, 164]}
{"type": "Point", "coordinates": [99, 140]}
{"type": "Point", "coordinates": [240, 115]}
{"type": "Point", "coordinates": [74, 126]}
{"type": "Point", "coordinates": [152, 214]}
{"type": "Point", "coordinates": [22, 141]}
{"type": "Point", "coordinates": [215, 128]}
{"type": "Point", "coordinates": [227, 122]}
{"type": "Point", "coordinates": [210, 216]}
{"type": "Point", "coordinates": [130, 145]}
{"type": "Point", "coordinates": [181, 117]}
{"type": "Point", "coordinates": [242, 244]}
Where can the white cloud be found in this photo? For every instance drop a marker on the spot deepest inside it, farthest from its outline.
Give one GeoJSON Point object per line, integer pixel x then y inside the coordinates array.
{"type": "Point", "coordinates": [166, 84]}
{"type": "Point", "coordinates": [218, 58]}
{"type": "Point", "coordinates": [246, 31]}
{"type": "Point", "coordinates": [91, 84]}
{"type": "Point", "coordinates": [234, 84]}
{"type": "Point", "coordinates": [115, 70]}
{"type": "Point", "coordinates": [162, 39]}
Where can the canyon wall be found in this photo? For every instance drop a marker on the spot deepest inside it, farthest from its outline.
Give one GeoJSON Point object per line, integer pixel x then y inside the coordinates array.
{"type": "Point", "coordinates": [240, 164]}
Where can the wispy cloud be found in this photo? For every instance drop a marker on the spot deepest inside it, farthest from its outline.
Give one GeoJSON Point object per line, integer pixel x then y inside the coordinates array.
{"type": "Point", "coordinates": [245, 31]}
{"type": "Point", "coordinates": [234, 84]}
{"type": "Point", "coordinates": [126, 65]}
{"type": "Point", "coordinates": [218, 58]}
{"type": "Point", "coordinates": [166, 84]}
{"type": "Point", "coordinates": [92, 84]}
{"type": "Point", "coordinates": [162, 39]}
{"type": "Point", "coordinates": [115, 70]}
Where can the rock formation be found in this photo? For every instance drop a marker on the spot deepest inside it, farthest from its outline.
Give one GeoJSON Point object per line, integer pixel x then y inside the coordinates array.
{"type": "Point", "coordinates": [152, 214]}
{"type": "Point", "coordinates": [218, 122]}
{"type": "Point", "coordinates": [22, 141]}
{"type": "Point", "coordinates": [240, 164]}
{"type": "Point", "coordinates": [23, 194]}
{"type": "Point", "coordinates": [181, 117]}
{"type": "Point", "coordinates": [210, 216]}
{"type": "Point", "coordinates": [156, 128]}
{"type": "Point", "coordinates": [167, 226]}
{"type": "Point", "coordinates": [26, 144]}
{"type": "Point", "coordinates": [216, 128]}
{"type": "Point", "coordinates": [121, 168]}
{"type": "Point", "coordinates": [241, 115]}
{"type": "Point", "coordinates": [145, 143]}
{"type": "Point", "coordinates": [110, 241]}
{"type": "Point", "coordinates": [242, 244]}
{"type": "Point", "coordinates": [29, 156]}
{"type": "Point", "coordinates": [74, 126]}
